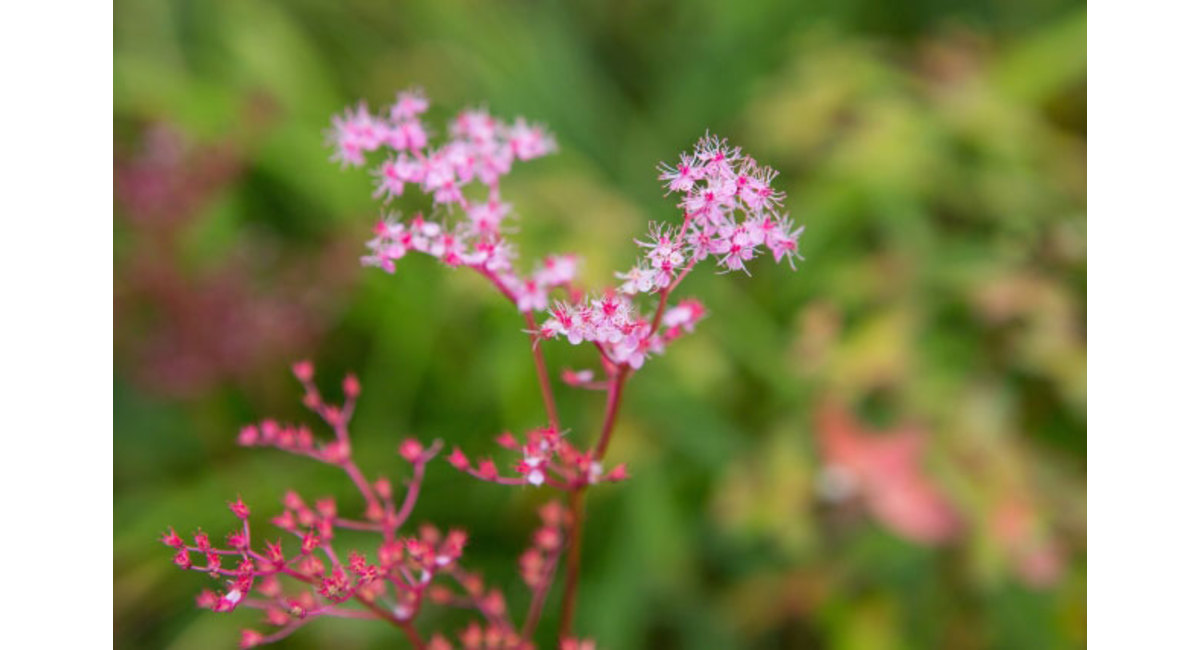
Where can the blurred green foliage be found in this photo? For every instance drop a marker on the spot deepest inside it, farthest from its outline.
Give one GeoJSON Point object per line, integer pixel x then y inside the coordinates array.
{"type": "Point", "coordinates": [936, 152]}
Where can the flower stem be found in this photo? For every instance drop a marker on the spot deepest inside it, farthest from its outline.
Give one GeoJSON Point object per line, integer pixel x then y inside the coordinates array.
{"type": "Point", "coordinates": [539, 599]}
{"type": "Point", "coordinates": [611, 408]}
{"type": "Point", "coordinates": [575, 553]}
{"type": "Point", "coordinates": [543, 378]}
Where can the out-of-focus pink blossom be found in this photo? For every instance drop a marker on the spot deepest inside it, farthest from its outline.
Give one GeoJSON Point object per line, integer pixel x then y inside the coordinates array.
{"type": "Point", "coordinates": [356, 133]}
{"type": "Point", "coordinates": [183, 327]}
{"type": "Point", "coordinates": [883, 468]}
{"type": "Point", "coordinates": [1034, 556]}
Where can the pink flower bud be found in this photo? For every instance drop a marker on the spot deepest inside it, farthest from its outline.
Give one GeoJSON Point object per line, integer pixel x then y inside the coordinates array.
{"type": "Point", "coordinates": [239, 509]}
{"type": "Point", "coordinates": [303, 370]}
{"type": "Point", "coordinates": [553, 513]}
{"type": "Point", "coordinates": [547, 538]}
{"type": "Point", "coordinates": [270, 430]}
{"type": "Point", "coordinates": [618, 473]}
{"type": "Point", "coordinates": [336, 452]}
{"type": "Point", "coordinates": [172, 539]}
{"type": "Point", "coordinates": [326, 507]}
{"type": "Point", "coordinates": [270, 587]}
{"type": "Point", "coordinates": [286, 520]}
{"type": "Point", "coordinates": [351, 387]}
{"type": "Point", "coordinates": [411, 450]}
{"type": "Point", "coordinates": [487, 470]}
{"type": "Point", "coordinates": [304, 438]}
{"type": "Point", "coordinates": [250, 639]}
{"type": "Point", "coordinates": [292, 501]}
{"type": "Point", "coordinates": [383, 488]}
{"type": "Point", "coordinates": [440, 595]}
{"type": "Point", "coordinates": [374, 511]}
{"type": "Point", "coordinates": [277, 617]}
{"type": "Point", "coordinates": [458, 459]}
{"type": "Point", "coordinates": [248, 435]}
{"type": "Point", "coordinates": [309, 543]}
{"type": "Point", "coordinates": [207, 599]}
{"type": "Point", "coordinates": [493, 603]}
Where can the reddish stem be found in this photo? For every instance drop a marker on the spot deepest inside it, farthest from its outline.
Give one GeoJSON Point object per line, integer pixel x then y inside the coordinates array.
{"type": "Point", "coordinates": [573, 560]}
{"type": "Point", "coordinates": [379, 612]}
{"type": "Point", "coordinates": [360, 481]}
{"type": "Point", "coordinates": [539, 360]}
{"type": "Point", "coordinates": [574, 557]}
{"type": "Point", "coordinates": [413, 637]}
{"type": "Point", "coordinates": [539, 598]}
{"type": "Point", "coordinates": [414, 488]}
{"type": "Point", "coordinates": [612, 407]}
{"type": "Point", "coordinates": [543, 377]}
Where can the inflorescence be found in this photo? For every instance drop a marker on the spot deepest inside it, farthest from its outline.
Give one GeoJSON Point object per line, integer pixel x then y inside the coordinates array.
{"type": "Point", "coordinates": [730, 213]}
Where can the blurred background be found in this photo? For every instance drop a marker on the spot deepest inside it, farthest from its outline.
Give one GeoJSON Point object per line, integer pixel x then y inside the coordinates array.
{"type": "Point", "coordinates": [884, 449]}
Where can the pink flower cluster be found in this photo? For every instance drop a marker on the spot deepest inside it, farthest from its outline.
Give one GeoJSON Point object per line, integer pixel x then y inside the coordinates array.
{"type": "Point", "coordinates": [292, 584]}
{"type": "Point", "coordinates": [622, 334]}
{"type": "Point", "coordinates": [547, 458]}
{"type": "Point", "coordinates": [480, 150]}
{"type": "Point", "coordinates": [730, 212]}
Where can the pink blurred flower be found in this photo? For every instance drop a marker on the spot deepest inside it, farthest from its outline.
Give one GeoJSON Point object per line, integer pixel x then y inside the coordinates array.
{"type": "Point", "coordinates": [883, 468]}
{"type": "Point", "coordinates": [1035, 557]}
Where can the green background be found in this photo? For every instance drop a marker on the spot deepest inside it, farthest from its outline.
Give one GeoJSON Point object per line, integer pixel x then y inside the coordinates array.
{"type": "Point", "coordinates": [935, 150]}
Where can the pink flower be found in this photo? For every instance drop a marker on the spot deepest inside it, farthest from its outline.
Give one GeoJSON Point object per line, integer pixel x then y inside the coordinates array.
{"type": "Point", "coordinates": [683, 176]}
{"type": "Point", "coordinates": [716, 157]}
{"type": "Point", "coordinates": [475, 125]}
{"type": "Point", "coordinates": [1032, 553]}
{"type": "Point", "coordinates": [778, 235]}
{"type": "Point", "coordinates": [355, 133]}
{"type": "Point", "coordinates": [394, 173]}
{"type": "Point", "coordinates": [486, 217]}
{"type": "Point", "coordinates": [303, 370]}
{"type": "Point", "coordinates": [458, 459]}
{"type": "Point", "coordinates": [351, 387]}
{"type": "Point", "coordinates": [686, 314]}
{"type": "Point", "coordinates": [556, 271]}
{"type": "Point", "coordinates": [411, 450]}
{"type": "Point", "coordinates": [637, 280]}
{"type": "Point", "coordinates": [531, 296]}
{"type": "Point", "coordinates": [884, 469]}
{"type": "Point", "coordinates": [529, 142]}
{"type": "Point", "coordinates": [409, 105]}
{"type": "Point", "coordinates": [172, 539]}
{"type": "Point", "coordinates": [239, 509]}
{"type": "Point", "coordinates": [250, 639]}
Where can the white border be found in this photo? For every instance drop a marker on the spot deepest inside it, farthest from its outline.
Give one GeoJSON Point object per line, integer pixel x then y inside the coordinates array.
{"type": "Point", "coordinates": [56, 270]}
{"type": "Point", "coordinates": [1144, 322]}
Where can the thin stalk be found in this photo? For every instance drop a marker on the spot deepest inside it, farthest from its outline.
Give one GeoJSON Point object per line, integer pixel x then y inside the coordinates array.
{"type": "Point", "coordinates": [611, 408]}
{"type": "Point", "coordinates": [575, 554]}
{"type": "Point", "coordinates": [539, 599]}
{"type": "Point", "coordinates": [539, 361]}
